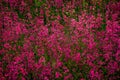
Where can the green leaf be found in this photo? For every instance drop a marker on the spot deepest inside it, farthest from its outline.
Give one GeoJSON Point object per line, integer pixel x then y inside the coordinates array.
{"type": "Point", "coordinates": [30, 76]}
{"type": "Point", "coordinates": [67, 14]}
{"type": "Point", "coordinates": [77, 9]}
{"type": "Point", "coordinates": [47, 57]}
{"type": "Point", "coordinates": [97, 7]}
{"type": "Point", "coordinates": [1, 56]}
{"type": "Point", "coordinates": [45, 20]}
{"type": "Point", "coordinates": [85, 70]}
{"type": "Point", "coordinates": [32, 9]}
{"type": "Point", "coordinates": [39, 3]}
{"type": "Point", "coordinates": [53, 11]}
{"type": "Point", "coordinates": [104, 70]}
{"type": "Point", "coordinates": [20, 42]}
{"type": "Point", "coordinates": [103, 26]}
{"type": "Point", "coordinates": [19, 14]}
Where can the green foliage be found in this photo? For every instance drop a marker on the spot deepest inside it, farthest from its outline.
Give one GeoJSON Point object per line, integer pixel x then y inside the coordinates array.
{"type": "Point", "coordinates": [107, 1]}
{"type": "Point", "coordinates": [85, 70]}
{"type": "Point", "coordinates": [84, 4]}
{"type": "Point", "coordinates": [1, 56]}
{"type": "Point", "coordinates": [97, 7]}
{"type": "Point", "coordinates": [61, 15]}
{"type": "Point", "coordinates": [53, 11]}
{"type": "Point", "coordinates": [104, 25]}
{"type": "Point", "coordinates": [20, 14]}
{"type": "Point", "coordinates": [67, 14]}
{"type": "Point", "coordinates": [39, 3]}
{"type": "Point", "coordinates": [36, 53]}
{"type": "Point", "coordinates": [11, 52]}
{"type": "Point", "coordinates": [77, 9]}
{"type": "Point", "coordinates": [45, 19]}
{"type": "Point", "coordinates": [30, 76]}
{"type": "Point", "coordinates": [4, 65]}
{"type": "Point", "coordinates": [32, 10]}
{"type": "Point", "coordinates": [104, 70]}
{"type": "Point", "coordinates": [46, 55]}
{"type": "Point", "coordinates": [72, 65]}
{"type": "Point", "coordinates": [20, 42]}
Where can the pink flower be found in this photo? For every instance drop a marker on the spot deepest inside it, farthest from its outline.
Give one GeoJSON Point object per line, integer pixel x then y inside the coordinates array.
{"type": "Point", "coordinates": [117, 56]}
{"type": "Point", "coordinates": [59, 3]}
{"type": "Point", "coordinates": [82, 79]}
{"type": "Point", "coordinates": [58, 64]}
{"type": "Point", "coordinates": [7, 46]}
{"type": "Point", "coordinates": [94, 75]}
{"type": "Point", "coordinates": [58, 74]}
{"type": "Point", "coordinates": [23, 71]}
{"type": "Point", "coordinates": [112, 67]}
{"type": "Point", "coordinates": [69, 76]}
{"type": "Point", "coordinates": [77, 57]}
{"type": "Point", "coordinates": [18, 29]}
{"type": "Point", "coordinates": [23, 78]}
{"type": "Point", "coordinates": [42, 59]}
{"type": "Point", "coordinates": [107, 56]}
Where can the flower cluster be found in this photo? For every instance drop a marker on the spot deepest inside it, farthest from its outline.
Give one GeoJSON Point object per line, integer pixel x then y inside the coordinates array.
{"type": "Point", "coordinates": [60, 43]}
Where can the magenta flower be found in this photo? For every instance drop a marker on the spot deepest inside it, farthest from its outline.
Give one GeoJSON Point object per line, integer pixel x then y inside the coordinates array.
{"type": "Point", "coordinates": [58, 3]}
{"type": "Point", "coordinates": [58, 75]}
{"type": "Point", "coordinates": [7, 46]}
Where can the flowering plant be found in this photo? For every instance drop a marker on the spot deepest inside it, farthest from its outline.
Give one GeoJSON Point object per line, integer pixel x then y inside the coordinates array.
{"type": "Point", "coordinates": [55, 40]}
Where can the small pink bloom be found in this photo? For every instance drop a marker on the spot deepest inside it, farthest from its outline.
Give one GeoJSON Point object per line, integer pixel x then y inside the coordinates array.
{"type": "Point", "coordinates": [18, 29]}
{"type": "Point", "coordinates": [7, 45]}
{"type": "Point", "coordinates": [57, 75]}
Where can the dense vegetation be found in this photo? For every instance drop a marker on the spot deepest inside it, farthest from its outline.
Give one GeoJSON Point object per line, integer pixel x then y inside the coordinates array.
{"type": "Point", "coordinates": [59, 40]}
